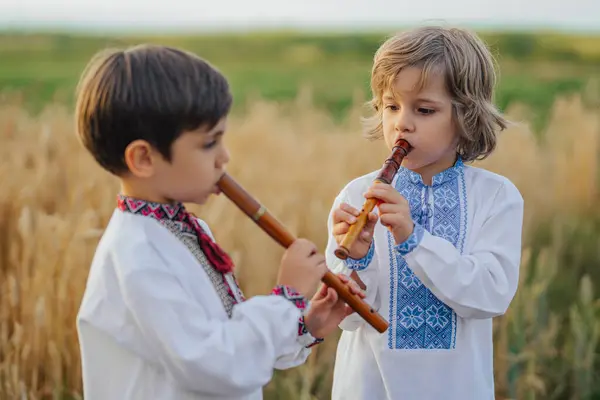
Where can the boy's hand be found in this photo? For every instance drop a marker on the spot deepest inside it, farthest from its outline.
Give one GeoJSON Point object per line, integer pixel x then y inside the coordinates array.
{"type": "Point", "coordinates": [394, 211]}
{"type": "Point", "coordinates": [344, 216]}
{"type": "Point", "coordinates": [327, 309]}
{"type": "Point", "coordinates": [302, 267]}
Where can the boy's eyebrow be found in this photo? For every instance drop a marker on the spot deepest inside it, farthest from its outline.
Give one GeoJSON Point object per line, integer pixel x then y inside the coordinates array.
{"type": "Point", "coordinates": [428, 100]}
{"type": "Point", "coordinates": [388, 97]}
{"type": "Point", "coordinates": [216, 133]}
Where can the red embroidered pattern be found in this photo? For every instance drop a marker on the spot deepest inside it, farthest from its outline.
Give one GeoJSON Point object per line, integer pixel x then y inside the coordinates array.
{"type": "Point", "coordinates": [290, 294]}
{"type": "Point", "coordinates": [186, 221]}
{"type": "Point", "coordinates": [300, 302]}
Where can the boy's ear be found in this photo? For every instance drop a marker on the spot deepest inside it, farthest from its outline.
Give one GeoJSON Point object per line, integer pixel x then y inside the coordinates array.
{"type": "Point", "coordinates": [140, 158]}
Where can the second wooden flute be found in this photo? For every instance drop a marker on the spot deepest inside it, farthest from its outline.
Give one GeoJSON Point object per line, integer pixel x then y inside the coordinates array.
{"type": "Point", "coordinates": [386, 175]}
{"type": "Point", "coordinates": [261, 216]}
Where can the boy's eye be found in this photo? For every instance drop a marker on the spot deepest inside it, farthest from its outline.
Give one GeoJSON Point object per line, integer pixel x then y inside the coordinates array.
{"type": "Point", "coordinates": [426, 110]}
{"type": "Point", "coordinates": [391, 107]}
{"type": "Point", "coordinates": [214, 141]}
{"type": "Point", "coordinates": [209, 144]}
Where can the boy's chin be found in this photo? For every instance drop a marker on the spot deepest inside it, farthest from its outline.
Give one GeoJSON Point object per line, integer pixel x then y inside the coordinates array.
{"type": "Point", "coordinates": [203, 199]}
{"type": "Point", "coordinates": [413, 164]}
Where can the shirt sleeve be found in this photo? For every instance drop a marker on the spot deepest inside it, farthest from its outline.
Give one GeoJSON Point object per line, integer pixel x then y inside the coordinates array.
{"type": "Point", "coordinates": [305, 339]}
{"type": "Point", "coordinates": [366, 268]}
{"type": "Point", "coordinates": [480, 284]}
{"type": "Point", "coordinates": [223, 358]}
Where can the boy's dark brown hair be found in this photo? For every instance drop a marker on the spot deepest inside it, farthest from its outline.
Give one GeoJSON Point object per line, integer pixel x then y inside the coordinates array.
{"type": "Point", "coordinates": [146, 92]}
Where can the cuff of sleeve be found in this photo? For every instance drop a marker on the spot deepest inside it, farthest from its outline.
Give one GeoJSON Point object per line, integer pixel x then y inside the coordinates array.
{"type": "Point", "coordinates": [412, 241]}
{"type": "Point", "coordinates": [304, 337]}
{"type": "Point", "coordinates": [361, 263]}
{"type": "Point", "coordinates": [293, 296]}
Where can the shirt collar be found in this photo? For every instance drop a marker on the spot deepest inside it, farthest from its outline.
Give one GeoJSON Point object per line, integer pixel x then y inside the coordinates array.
{"type": "Point", "coordinates": [438, 179]}
{"type": "Point", "coordinates": [159, 211]}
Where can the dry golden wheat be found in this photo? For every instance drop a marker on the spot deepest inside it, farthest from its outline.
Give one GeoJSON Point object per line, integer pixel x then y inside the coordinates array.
{"type": "Point", "coordinates": [54, 203]}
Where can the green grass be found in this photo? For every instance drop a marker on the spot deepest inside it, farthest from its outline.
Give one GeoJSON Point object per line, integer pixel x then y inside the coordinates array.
{"type": "Point", "coordinates": [535, 68]}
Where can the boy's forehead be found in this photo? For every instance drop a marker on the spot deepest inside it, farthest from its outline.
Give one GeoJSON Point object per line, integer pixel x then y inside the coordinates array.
{"type": "Point", "coordinates": [411, 82]}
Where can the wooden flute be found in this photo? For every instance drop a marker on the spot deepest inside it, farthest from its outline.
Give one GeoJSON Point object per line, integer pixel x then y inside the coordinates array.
{"type": "Point", "coordinates": [274, 228]}
{"type": "Point", "coordinates": [386, 174]}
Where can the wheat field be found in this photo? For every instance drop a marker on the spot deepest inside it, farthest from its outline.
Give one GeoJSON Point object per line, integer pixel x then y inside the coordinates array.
{"type": "Point", "coordinates": [54, 203]}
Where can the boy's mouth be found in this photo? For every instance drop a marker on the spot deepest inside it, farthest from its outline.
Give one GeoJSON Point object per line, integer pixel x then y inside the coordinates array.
{"type": "Point", "coordinates": [216, 189]}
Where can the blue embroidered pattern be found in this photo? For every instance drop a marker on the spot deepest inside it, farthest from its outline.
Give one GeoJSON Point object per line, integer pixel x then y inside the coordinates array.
{"type": "Point", "coordinates": [362, 263]}
{"type": "Point", "coordinates": [413, 241]}
{"type": "Point", "coordinates": [419, 320]}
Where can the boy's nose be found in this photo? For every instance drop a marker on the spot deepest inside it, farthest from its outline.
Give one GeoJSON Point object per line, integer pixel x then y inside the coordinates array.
{"type": "Point", "coordinates": [404, 123]}
{"type": "Point", "coordinates": [223, 157]}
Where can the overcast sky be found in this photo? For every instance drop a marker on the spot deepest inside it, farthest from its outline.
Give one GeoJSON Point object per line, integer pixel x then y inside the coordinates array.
{"type": "Point", "coordinates": [224, 14]}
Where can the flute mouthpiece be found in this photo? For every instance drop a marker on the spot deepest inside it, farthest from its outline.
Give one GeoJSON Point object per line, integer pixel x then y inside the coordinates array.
{"type": "Point", "coordinates": [405, 144]}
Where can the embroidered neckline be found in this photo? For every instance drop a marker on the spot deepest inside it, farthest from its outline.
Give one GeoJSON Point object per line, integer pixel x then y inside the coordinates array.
{"type": "Point", "coordinates": [438, 179]}
{"type": "Point", "coordinates": [186, 223]}
{"type": "Point", "coordinates": [171, 211]}
{"type": "Point", "coordinates": [174, 212]}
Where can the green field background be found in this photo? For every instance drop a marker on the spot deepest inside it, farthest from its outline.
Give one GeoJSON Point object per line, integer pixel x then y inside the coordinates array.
{"type": "Point", "coordinates": [534, 67]}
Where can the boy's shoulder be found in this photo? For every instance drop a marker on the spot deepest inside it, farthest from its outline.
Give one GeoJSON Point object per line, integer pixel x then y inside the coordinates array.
{"type": "Point", "coordinates": [131, 232]}
{"type": "Point", "coordinates": [489, 181]}
{"type": "Point", "coordinates": [129, 239]}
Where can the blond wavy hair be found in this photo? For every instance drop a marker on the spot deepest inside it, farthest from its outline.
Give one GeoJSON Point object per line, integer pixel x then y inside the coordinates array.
{"type": "Point", "coordinates": [468, 68]}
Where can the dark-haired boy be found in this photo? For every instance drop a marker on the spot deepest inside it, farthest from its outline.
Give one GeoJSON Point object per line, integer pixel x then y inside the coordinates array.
{"type": "Point", "coordinates": [162, 316]}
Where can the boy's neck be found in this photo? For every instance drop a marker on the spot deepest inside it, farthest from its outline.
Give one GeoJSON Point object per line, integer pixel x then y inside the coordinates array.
{"type": "Point", "coordinates": [130, 189]}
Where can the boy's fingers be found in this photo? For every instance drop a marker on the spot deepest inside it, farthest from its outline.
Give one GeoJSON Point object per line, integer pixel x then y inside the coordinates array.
{"type": "Point", "coordinates": [332, 296]}
{"type": "Point", "coordinates": [349, 311]}
{"type": "Point", "coordinates": [323, 291]}
{"type": "Point", "coordinates": [371, 221]}
{"type": "Point", "coordinates": [349, 209]}
{"type": "Point", "coordinates": [305, 246]}
{"type": "Point", "coordinates": [340, 228]}
{"type": "Point", "coordinates": [386, 194]}
{"type": "Point", "coordinates": [343, 216]}
{"type": "Point", "coordinates": [354, 288]}
{"type": "Point", "coordinates": [388, 208]}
